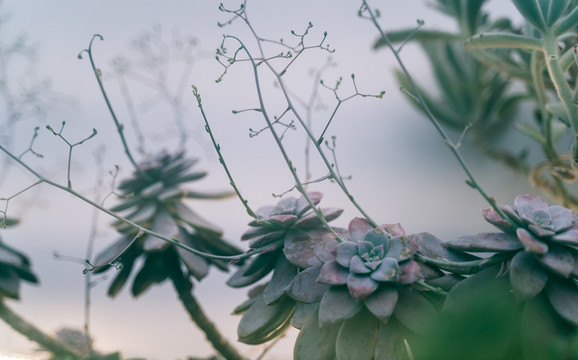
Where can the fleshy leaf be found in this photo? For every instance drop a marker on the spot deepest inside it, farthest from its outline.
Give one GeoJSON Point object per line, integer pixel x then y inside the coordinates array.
{"type": "Point", "coordinates": [526, 204]}
{"type": "Point", "coordinates": [527, 277]}
{"type": "Point", "coordinates": [337, 305]}
{"type": "Point", "coordinates": [377, 237]}
{"type": "Point", "coordinates": [361, 286]}
{"type": "Point", "coordinates": [558, 260]}
{"type": "Point", "coordinates": [387, 271]}
{"type": "Point", "coordinates": [283, 274]}
{"type": "Point", "coordinates": [390, 342]}
{"type": "Point", "coordinates": [302, 205]}
{"type": "Point", "coordinates": [413, 310]}
{"type": "Point", "coordinates": [357, 337]}
{"type": "Point", "coordinates": [316, 339]}
{"type": "Point", "coordinates": [395, 229]}
{"type": "Point", "coordinates": [531, 244]}
{"type": "Point", "coordinates": [344, 252]}
{"type": "Point", "coordinates": [303, 314]}
{"type": "Point", "coordinates": [495, 219]}
{"type": "Point", "coordinates": [358, 227]}
{"type": "Point", "coordinates": [305, 288]}
{"type": "Point", "coordinates": [487, 242]}
{"type": "Point", "coordinates": [410, 272]}
{"type": "Point", "coordinates": [357, 265]}
{"type": "Point", "coordinates": [382, 302]}
{"type": "Point", "coordinates": [569, 237]}
{"type": "Point", "coordinates": [333, 274]}
{"type": "Point", "coordinates": [299, 247]}
{"type": "Point", "coordinates": [562, 218]}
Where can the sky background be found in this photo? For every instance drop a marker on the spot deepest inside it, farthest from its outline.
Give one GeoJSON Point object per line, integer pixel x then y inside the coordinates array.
{"type": "Point", "coordinates": [401, 170]}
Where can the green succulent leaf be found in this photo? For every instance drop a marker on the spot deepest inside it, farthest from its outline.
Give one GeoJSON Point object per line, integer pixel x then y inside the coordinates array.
{"type": "Point", "coordinates": [541, 13]}
{"type": "Point", "coordinates": [305, 288]}
{"type": "Point", "coordinates": [532, 132]}
{"type": "Point", "coordinates": [357, 337]}
{"type": "Point", "coordinates": [316, 339]}
{"type": "Point", "coordinates": [283, 274]}
{"type": "Point", "coordinates": [9, 284]}
{"type": "Point", "coordinates": [502, 41]}
{"type": "Point", "coordinates": [262, 322]}
{"type": "Point", "coordinates": [303, 314]}
{"type": "Point", "coordinates": [390, 342]}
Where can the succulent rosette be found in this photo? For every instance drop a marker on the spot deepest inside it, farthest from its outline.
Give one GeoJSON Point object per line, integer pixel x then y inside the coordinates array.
{"type": "Point", "coordinates": [154, 198]}
{"type": "Point", "coordinates": [539, 250]}
{"type": "Point", "coordinates": [269, 310]}
{"type": "Point", "coordinates": [14, 268]}
{"type": "Point", "coordinates": [361, 293]}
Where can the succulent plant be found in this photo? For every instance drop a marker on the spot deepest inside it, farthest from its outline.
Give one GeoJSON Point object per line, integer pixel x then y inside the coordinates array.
{"type": "Point", "coordinates": [539, 251]}
{"type": "Point", "coordinates": [365, 304]}
{"type": "Point", "coordinates": [269, 310]}
{"type": "Point", "coordinates": [541, 240]}
{"type": "Point", "coordinates": [14, 268]}
{"type": "Point", "coordinates": [153, 198]}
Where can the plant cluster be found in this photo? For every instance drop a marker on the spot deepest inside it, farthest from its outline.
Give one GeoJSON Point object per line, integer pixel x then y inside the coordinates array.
{"type": "Point", "coordinates": [372, 291]}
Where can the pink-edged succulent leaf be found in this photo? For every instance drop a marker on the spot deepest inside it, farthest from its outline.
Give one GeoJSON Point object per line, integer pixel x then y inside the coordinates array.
{"type": "Point", "coordinates": [434, 248]}
{"type": "Point", "coordinates": [337, 305]}
{"type": "Point", "coordinates": [526, 204]}
{"type": "Point", "coordinates": [357, 265]}
{"type": "Point", "coordinates": [562, 218]}
{"type": "Point", "coordinates": [282, 220]}
{"type": "Point", "coordinates": [305, 288]}
{"type": "Point", "coordinates": [300, 245]}
{"type": "Point", "coordinates": [388, 270]}
{"type": "Point", "coordinates": [527, 277]}
{"type": "Point", "coordinates": [486, 242]}
{"type": "Point", "coordinates": [283, 274]}
{"type": "Point", "coordinates": [333, 274]}
{"type": "Point", "coordinates": [286, 206]}
{"type": "Point", "coordinates": [394, 229]}
{"type": "Point", "coordinates": [410, 272]}
{"type": "Point", "coordinates": [540, 232]}
{"type": "Point", "coordinates": [361, 286]}
{"type": "Point", "coordinates": [558, 260]}
{"type": "Point", "coordinates": [325, 249]}
{"type": "Point", "coordinates": [382, 302]}
{"type": "Point", "coordinates": [495, 219]}
{"type": "Point", "coordinates": [377, 237]}
{"type": "Point", "coordinates": [344, 252]}
{"type": "Point", "coordinates": [358, 227]}
{"type": "Point", "coordinates": [357, 337]}
{"type": "Point", "coordinates": [413, 310]}
{"type": "Point", "coordinates": [263, 212]}
{"type": "Point", "coordinates": [531, 244]}
{"type": "Point", "coordinates": [302, 205]}
{"type": "Point", "coordinates": [568, 237]}
{"type": "Point", "coordinates": [563, 295]}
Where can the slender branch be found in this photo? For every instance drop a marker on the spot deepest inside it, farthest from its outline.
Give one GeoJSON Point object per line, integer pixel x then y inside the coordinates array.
{"type": "Point", "coordinates": [220, 155]}
{"type": "Point", "coordinates": [471, 180]}
{"type": "Point", "coordinates": [219, 342]}
{"type": "Point", "coordinates": [33, 333]}
{"type": "Point", "coordinates": [119, 127]}
{"type": "Point", "coordinates": [174, 242]}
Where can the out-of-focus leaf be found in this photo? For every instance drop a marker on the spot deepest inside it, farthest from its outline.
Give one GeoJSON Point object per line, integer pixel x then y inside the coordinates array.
{"type": "Point", "coordinates": [315, 340]}
{"type": "Point", "coordinates": [9, 284]}
{"type": "Point", "coordinates": [112, 252]}
{"type": "Point", "coordinates": [487, 242]}
{"type": "Point", "coordinates": [190, 217]}
{"type": "Point", "coordinates": [413, 310]}
{"type": "Point", "coordinates": [531, 132]}
{"type": "Point", "coordinates": [253, 270]}
{"type": "Point", "coordinates": [558, 260]}
{"type": "Point", "coordinates": [197, 266]}
{"type": "Point", "coordinates": [153, 271]}
{"type": "Point", "coordinates": [165, 225]}
{"type": "Point", "coordinates": [357, 337]}
{"type": "Point", "coordinates": [390, 342]}
{"type": "Point", "coordinates": [563, 295]}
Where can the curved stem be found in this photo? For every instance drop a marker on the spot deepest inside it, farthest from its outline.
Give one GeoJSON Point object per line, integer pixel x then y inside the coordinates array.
{"type": "Point", "coordinates": [33, 333]}
{"type": "Point", "coordinates": [220, 343]}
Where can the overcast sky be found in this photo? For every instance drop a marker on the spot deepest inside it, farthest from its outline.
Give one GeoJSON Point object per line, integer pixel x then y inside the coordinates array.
{"type": "Point", "coordinates": [401, 170]}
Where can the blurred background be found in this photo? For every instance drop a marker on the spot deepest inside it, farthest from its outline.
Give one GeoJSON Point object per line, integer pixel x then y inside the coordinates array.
{"type": "Point", "coordinates": [152, 52]}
